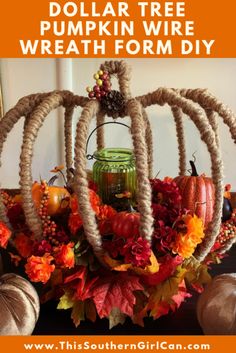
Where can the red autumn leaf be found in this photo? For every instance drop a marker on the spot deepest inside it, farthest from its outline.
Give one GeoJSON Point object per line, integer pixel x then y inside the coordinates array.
{"type": "Point", "coordinates": [162, 309]}
{"type": "Point", "coordinates": [80, 274]}
{"type": "Point", "coordinates": [167, 269]}
{"type": "Point", "coordinates": [179, 298]}
{"type": "Point", "coordinates": [81, 284]}
{"type": "Point", "coordinates": [115, 291]}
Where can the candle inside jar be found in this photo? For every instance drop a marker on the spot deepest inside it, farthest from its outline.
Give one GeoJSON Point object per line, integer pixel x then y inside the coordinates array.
{"type": "Point", "coordinates": [115, 175]}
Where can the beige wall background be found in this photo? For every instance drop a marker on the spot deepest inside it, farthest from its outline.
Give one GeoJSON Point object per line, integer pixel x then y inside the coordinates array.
{"type": "Point", "coordinates": [24, 76]}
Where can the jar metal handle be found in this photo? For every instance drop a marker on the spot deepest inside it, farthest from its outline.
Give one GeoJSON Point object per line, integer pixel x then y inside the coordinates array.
{"type": "Point", "coordinates": [90, 156]}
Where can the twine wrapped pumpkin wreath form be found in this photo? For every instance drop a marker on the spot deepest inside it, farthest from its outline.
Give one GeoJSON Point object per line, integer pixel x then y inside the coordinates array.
{"type": "Point", "coordinates": [36, 107]}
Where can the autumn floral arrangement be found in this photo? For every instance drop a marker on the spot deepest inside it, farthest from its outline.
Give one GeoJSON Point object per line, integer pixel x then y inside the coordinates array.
{"type": "Point", "coordinates": [138, 280]}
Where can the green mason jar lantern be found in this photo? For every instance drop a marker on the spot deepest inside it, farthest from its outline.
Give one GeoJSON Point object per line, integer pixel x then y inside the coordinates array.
{"type": "Point", "coordinates": [115, 175]}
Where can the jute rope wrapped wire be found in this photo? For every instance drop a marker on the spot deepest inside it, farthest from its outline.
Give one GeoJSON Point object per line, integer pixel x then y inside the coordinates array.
{"type": "Point", "coordinates": [81, 182]}
{"type": "Point", "coordinates": [26, 181]}
{"type": "Point", "coordinates": [22, 108]}
{"type": "Point", "coordinates": [123, 72]}
{"type": "Point", "coordinates": [100, 131]}
{"type": "Point", "coordinates": [178, 117]}
{"type": "Point", "coordinates": [149, 142]}
{"type": "Point", "coordinates": [68, 140]}
{"type": "Point", "coordinates": [179, 100]}
{"type": "Point", "coordinates": [26, 108]}
{"type": "Point", "coordinates": [213, 109]}
{"type": "Point", "coordinates": [208, 136]}
{"type": "Point", "coordinates": [209, 102]}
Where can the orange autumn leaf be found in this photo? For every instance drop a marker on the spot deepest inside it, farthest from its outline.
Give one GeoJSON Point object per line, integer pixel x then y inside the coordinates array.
{"type": "Point", "coordinates": [123, 267]}
{"type": "Point", "coordinates": [119, 266]}
{"type": "Point", "coordinates": [160, 299]}
{"type": "Point", "coordinates": [111, 262]}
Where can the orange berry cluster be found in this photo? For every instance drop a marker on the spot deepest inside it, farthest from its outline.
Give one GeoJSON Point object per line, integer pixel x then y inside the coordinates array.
{"type": "Point", "coordinates": [49, 226]}
{"type": "Point", "coordinates": [7, 199]}
{"type": "Point", "coordinates": [228, 229]}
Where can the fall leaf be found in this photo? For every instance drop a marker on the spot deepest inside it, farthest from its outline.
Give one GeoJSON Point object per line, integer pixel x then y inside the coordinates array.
{"type": "Point", "coordinates": [81, 284]}
{"type": "Point", "coordinates": [66, 301]}
{"type": "Point", "coordinates": [164, 292]}
{"type": "Point", "coordinates": [90, 310]}
{"type": "Point", "coordinates": [111, 262]}
{"type": "Point", "coordinates": [119, 266]}
{"type": "Point", "coordinates": [179, 298]}
{"type": "Point", "coordinates": [167, 269]}
{"type": "Point", "coordinates": [123, 267]}
{"type": "Point", "coordinates": [197, 275]}
{"type": "Point", "coordinates": [80, 309]}
{"type": "Point", "coordinates": [115, 291]}
{"type": "Point", "coordinates": [116, 317]}
{"type": "Point", "coordinates": [150, 269]}
{"type": "Point", "coordinates": [140, 308]}
{"type": "Point", "coordinates": [162, 308]}
{"type": "Point", "coordinates": [77, 314]}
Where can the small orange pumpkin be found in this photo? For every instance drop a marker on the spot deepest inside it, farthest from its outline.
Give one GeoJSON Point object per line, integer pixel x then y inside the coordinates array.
{"type": "Point", "coordinates": [198, 195]}
{"type": "Point", "coordinates": [59, 198]}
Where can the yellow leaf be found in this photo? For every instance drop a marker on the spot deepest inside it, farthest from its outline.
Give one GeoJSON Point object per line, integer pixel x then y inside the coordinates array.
{"type": "Point", "coordinates": [198, 275]}
{"type": "Point", "coordinates": [111, 262]}
{"type": "Point", "coordinates": [66, 301]}
{"type": "Point", "coordinates": [118, 266]}
{"type": "Point", "coordinates": [123, 267]}
{"type": "Point", "coordinates": [115, 264]}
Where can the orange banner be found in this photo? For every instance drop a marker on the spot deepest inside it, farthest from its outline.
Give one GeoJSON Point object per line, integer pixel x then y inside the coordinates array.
{"type": "Point", "coordinates": [155, 29]}
{"type": "Point", "coordinates": [145, 344]}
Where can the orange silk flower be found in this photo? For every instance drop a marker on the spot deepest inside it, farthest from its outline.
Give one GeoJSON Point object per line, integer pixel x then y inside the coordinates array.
{"type": "Point", "coordinates": [185, 243]}
{"type": "Point", "coordinates": [65, 256]}
{"type": "Point", "coordinates": [39, 269]}
{"type": "Point", "coordinates": [5, 234]}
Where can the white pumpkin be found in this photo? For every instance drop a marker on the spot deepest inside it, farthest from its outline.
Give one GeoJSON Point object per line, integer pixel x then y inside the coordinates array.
{"type": "Point", "coordinates": [216, 307]}
{"type": "Point", "coordinates": [19, 305]}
